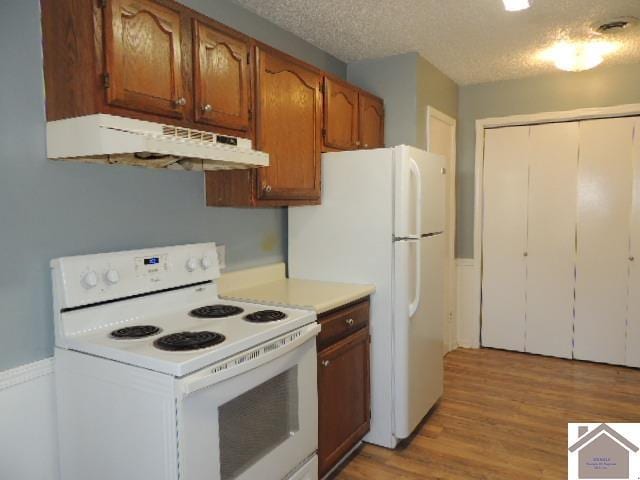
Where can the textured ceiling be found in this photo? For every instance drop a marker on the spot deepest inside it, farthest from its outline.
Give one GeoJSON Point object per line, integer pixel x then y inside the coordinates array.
{"type": "Point", "coordinates": [472, 41]}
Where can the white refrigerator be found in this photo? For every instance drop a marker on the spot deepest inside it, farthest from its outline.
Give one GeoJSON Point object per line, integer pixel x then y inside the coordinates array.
{"type": "Point", "coordinates": [382, 222]}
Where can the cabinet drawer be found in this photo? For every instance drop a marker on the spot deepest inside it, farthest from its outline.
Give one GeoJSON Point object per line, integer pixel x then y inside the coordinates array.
{"type": "Point", "coordinates": [343, 322]}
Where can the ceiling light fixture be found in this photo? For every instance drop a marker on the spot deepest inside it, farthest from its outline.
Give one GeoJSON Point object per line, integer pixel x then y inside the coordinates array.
{"type": "Point", "coordinates": [516, 5]}
{"type": "Point", "coordinates": [577, 57]}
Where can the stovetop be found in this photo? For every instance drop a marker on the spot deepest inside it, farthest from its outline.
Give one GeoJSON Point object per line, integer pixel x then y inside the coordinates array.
{"type": "Point", "coordinates": [160, 332]}
{"type": "Point", "coordinates": [158, 309]}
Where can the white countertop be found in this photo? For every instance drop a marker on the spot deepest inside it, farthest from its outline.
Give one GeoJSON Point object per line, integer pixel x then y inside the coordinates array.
{"type": "Point", "coordinates": [275, 289]}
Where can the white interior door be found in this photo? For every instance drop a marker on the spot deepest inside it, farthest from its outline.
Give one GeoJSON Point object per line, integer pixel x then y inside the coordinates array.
{"type": "Point", "coordinates": [504, 237]}
{"type": "Point", "coordinates": [633, 320]}
{"type": "Point", "coordinates": [602, 266]}
{"type": "Point", "coordinates": [551, 238]}
{"type": "Point", "coordinates": [441, 140]}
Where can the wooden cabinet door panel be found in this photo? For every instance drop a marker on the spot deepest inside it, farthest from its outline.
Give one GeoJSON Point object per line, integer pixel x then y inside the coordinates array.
{"type": "Point", "coordinates": [340, 115]}
{"type": "Point", "coordinates": [289, 115]}
{"type": "Point", "coordinates": [343, 397]}
{"type": "Point", "coordinates": [371, 121]}
{"type": "Point", "coordinates": [144, 57]}
{"type": "Point", "coordinates": [221, 78]}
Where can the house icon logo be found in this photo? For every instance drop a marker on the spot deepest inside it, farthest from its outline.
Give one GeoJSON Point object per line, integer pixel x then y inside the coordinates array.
{"type": "Point", "coordinates": [603, 452]}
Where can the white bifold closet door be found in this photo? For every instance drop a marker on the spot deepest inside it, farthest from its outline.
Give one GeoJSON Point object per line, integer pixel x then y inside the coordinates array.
{"type": "Point", "coordinates": [605, 175]}
{"type": "Point", "coordinates": [506, 173]}
{"type": "Point", "coordinates": [551, 238]}
{"type": "Point", "coordinates": [633, 318]}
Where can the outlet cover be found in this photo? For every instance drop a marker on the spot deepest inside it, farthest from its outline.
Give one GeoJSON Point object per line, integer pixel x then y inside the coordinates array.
{"type": "Point", "coordinates": [222, 256]}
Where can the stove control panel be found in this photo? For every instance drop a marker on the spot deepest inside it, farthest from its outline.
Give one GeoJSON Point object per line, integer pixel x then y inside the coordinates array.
{"type": "Point", "coordinates": [89, 279]}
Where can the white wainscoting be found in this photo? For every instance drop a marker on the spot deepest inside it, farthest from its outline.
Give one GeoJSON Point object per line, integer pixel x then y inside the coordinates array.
{"type": "Point", "coordinates": [28, 436]}
{"type": "Point", "coordinates": [468, 316]}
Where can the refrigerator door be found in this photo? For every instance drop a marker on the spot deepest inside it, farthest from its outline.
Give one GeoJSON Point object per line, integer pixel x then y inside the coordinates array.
{"type": "Point", "coordinates": [418, 314]}
{"type": "Point", "coordinates": [420, 187]}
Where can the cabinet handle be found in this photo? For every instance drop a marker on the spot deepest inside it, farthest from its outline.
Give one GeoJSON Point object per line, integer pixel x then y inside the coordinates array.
{"type": "Point", "coordinates": [326, 363]}
{"type": "Point", "coordinates": [366, 145]}
{"type": "Point", "coordinates": [180, 102]}
{"type": "Point", "coordinates": [349, 322]}
{"type": "Point", "coordinates": [207, 108]}
{"type": "Point", "coordinates": [267, 188]}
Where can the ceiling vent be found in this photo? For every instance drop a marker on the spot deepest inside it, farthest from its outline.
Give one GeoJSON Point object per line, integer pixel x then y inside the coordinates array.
{"type": "Point", "coordinates": [616, 26]}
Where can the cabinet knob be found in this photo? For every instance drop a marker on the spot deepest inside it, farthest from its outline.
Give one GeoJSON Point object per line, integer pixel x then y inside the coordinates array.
{"type": "Point", "coordinates": [632, 259]}
{"type": "Point", "coordinates": [180, 102]}
{"type": "Point", "coordinates": [366, 145]}
{"type": "Point", "coordinates": [525, 254]}
{"type": "Point", "coordinates": [357, 143]}
{"type": "Point", "coordinates": [349, 322]}
{"type": "Point", "coordinates": [207, 108]}
{"type": "Point", "coordinates": [267, 188]}
{"type": "Point", "coordinates": [326, 363]}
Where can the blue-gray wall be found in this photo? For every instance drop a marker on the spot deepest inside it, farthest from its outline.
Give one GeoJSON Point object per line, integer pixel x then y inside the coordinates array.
{"type": "Point", "coordinates": [50, 209]}
{"type": "Point", "coordinates": [604, 86]}
{"type": "Point", "coordinates": [408, 83]}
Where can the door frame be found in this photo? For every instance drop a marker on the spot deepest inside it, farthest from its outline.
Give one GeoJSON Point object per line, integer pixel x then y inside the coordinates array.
{"type": "Point", "coordinates": [450, 339]}
{"type": "Point", "coordinates": [626, 110]}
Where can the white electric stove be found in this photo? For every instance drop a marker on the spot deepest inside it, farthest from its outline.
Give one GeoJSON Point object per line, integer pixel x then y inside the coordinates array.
{"type": "Point", "coordinates": [158, 378]}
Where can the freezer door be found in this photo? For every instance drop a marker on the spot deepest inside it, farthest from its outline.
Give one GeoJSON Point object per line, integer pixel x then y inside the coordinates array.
{"type": "Point", "coordinates": [418, 320]}
{"type": "Point", "coordinates": [420, 187]}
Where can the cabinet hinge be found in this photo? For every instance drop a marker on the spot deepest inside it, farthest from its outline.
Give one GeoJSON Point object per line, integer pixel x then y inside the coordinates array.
{"type": "Point", "coordinates": [102, 3]}
{"type": "Point", "coordinates": [106, 80]}
{"type": "Point", "coordinates": [250, 114]}
{"type": "Point", "coordinates": [248, 58]}
{"type": "Point", "coordinates": [324, 133]}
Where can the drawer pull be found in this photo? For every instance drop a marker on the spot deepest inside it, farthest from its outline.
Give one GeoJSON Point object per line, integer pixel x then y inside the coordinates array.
{"type": "Point", "coordinates": [349, 322]}
{"type": "Point", "coordinates": [326, 363]}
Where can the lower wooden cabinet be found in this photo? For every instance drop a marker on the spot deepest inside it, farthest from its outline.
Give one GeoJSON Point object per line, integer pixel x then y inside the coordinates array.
{"type": "Point", "coordinates": [343, 385]}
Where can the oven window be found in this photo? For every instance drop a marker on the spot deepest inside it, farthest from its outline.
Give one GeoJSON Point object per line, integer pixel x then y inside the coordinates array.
{"type": "Point", "coordinates": [256, 422]}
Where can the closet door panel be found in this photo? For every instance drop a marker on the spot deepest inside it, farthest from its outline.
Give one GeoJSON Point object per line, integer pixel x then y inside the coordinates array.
{"type": "Point", "coordinates": [602, 266]}
{"type": "Point", "coordinates": [504, 238]}
{"type": "Point", "coordinates": [553, 171]}
{"type": "Point", "coordinates": [633, 320]}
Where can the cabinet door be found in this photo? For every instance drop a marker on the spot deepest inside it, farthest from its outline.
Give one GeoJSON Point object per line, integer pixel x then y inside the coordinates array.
{"type": "Point", "coordinates": [221, 78]}
{"type": "Point", "coordinates": [633, 323]}
{"type": "Point", "coordinates": [289, 117]}
{"type": "Point", "coordinates": [504, 240]}
{"type": "Point", "coordinates": [340, 115]}
{"type": "Point", "coordinates": [602, 268]}
{"type": "Point", "coordinates": [343, 397]}
{"type": "Point", "coordinates": [551, 243]}
{"type": "Point", "coordinates": [371, 120]}
{"type": "Point", "coordinates": [143, 57]}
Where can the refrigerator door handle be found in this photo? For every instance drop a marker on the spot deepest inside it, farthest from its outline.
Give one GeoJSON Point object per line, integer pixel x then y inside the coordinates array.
{"type": "Point", "coordinates": [415, 171]}
{"type": "Point", "coordinates": [413, 306]}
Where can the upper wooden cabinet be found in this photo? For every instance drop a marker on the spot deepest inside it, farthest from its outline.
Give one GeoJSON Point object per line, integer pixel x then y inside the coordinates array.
{"type": "Point", "coordinates": [340, 115]}
{"type": "Point", "coordinates": [221, 77]}
{"type": "Point", "coordinates": [289, 125]}
{"type": "Point", "coordinates": [371, 121]}
{"type": "Point", "coordinates": [143, 55]}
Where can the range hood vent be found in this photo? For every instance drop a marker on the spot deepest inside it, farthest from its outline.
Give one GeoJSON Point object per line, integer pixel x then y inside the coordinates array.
{"type": "Point", "coordinates": [110, 139]}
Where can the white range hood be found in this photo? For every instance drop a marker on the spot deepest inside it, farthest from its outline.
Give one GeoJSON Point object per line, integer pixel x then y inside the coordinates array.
{"type": "Point", "coordinates": [110, 139]}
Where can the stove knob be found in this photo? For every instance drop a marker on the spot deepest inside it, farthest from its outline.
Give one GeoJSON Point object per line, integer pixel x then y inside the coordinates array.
{"type": "Point", "coordinates": [206, 262]}
{"type": "Point", "coordinates": [90, 280]}
{"type": "Point", "coordinates": [112, 277]}
{"type": "Point", "coordinates": [192, 264]}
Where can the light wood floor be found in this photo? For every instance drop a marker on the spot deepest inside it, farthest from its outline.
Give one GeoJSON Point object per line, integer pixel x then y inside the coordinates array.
{"type": "Point", "coordinates": [504, 416]}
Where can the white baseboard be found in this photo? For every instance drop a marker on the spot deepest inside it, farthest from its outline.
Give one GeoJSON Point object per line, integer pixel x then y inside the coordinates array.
{"type": "Point", "coordinates": [468, 316]}
{"type": "Point", "coordinates": [28, 435]}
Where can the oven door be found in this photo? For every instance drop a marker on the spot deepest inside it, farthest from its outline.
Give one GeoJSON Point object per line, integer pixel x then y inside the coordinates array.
{"type": "Point", "coordinates": [254, 415]}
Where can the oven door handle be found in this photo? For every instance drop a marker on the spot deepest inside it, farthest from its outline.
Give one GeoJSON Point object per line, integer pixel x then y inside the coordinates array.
{"type": "Point", "coordinates": [247, 360]}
